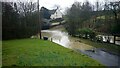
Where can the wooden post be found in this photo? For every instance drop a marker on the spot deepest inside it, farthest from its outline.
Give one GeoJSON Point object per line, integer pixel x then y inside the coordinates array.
{"type": "Point", "coordinates": [39, 24]}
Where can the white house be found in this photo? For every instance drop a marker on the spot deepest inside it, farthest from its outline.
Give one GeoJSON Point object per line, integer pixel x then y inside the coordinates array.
{"type": "Point", "coordinates": [49, 15]}
{"type": "Point", "coordinates": [56, 14]}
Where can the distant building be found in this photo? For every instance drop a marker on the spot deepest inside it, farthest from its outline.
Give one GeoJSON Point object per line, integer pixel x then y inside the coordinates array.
{"type": "Point", "coordinates": [55, 14]}
{"type": "Point", "coordinates": [49, 15]}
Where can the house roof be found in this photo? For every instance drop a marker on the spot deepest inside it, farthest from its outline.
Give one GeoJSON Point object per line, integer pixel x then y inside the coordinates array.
{"type": "Point", "coordinates": [52, 11]}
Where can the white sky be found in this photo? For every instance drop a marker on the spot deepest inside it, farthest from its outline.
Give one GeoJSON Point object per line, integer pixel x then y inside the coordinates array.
{"type": "Point", "coordinates": [50, 4]}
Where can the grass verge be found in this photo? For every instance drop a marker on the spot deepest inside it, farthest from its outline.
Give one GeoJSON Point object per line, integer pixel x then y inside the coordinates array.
{"type": "Point", "coordinates": [36, 52]}
{"type": "Point", "coordinates": [0, 53]}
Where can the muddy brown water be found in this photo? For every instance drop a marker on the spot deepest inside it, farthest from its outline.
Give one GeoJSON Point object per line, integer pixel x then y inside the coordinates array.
{"type": "Point", "coordinates": [65, 40]}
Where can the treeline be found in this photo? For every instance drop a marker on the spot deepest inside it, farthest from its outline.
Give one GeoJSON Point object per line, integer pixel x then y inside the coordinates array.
{"type": "Point", "coordinates": [19, 20]}
{"type": "Point", "coordinates": [87, 20]}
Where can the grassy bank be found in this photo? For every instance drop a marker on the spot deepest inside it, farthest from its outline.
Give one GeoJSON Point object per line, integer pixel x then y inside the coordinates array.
{"type": "Point", "coordinates": [112, 48]}
{"type": "Point", "coordinates": [35, 52]}
{"type": "Point", "coordinates": [0, 53]}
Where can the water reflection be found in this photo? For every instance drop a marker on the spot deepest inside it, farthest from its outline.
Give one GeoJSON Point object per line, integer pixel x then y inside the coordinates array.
{"type": "Point", "coordinates": [103, 57]}
{"type": "Point", "coordinates": [57, 37]}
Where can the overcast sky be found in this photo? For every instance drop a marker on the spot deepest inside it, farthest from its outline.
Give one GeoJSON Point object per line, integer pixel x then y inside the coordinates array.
{"type": "Point", "coordinates": [50, 4]}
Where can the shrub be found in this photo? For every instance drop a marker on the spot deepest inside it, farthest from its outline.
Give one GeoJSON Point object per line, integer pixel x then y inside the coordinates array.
{"type": "Point", "coordinates": [86, 33]}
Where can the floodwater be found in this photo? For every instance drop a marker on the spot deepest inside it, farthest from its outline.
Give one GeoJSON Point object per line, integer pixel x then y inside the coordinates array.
{"type": "Point", "coordinates": [65, 40]}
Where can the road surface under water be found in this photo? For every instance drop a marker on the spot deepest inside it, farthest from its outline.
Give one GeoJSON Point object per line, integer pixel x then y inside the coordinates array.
{"type": "Point", "coordinates": [65, 40]}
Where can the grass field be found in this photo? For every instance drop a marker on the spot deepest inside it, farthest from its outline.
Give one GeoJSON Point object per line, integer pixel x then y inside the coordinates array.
{"type": "Point", "coordinates": [0, 53]}
{"type": "Point", "coordinates": [35, 52]}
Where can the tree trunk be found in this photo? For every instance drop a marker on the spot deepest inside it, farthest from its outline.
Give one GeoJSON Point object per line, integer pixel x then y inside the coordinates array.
{"type": "Point", "coordinates": [114, 39]}
{"type": "Point", "coordinates": [108, 39]}
{"type": "Point", "coordinates": [86, 36]}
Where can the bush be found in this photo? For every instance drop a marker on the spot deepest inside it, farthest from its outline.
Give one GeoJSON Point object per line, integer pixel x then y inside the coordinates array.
{"type": "Point", "coordinates": [86, 33]}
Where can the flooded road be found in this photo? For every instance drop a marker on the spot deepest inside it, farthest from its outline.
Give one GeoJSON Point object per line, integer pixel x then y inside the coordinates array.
{"type": "Point", "coordinates": [65, 40]}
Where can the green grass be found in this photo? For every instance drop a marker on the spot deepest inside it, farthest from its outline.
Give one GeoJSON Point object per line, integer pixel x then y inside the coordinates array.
{"type": "Point", "coordinates": [108, 47]}
{"type": "Point", "coordinates": [35, 52]}
{"type": "Point", "coordinates": [0, 53]}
